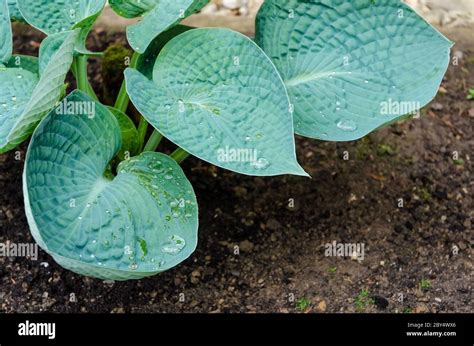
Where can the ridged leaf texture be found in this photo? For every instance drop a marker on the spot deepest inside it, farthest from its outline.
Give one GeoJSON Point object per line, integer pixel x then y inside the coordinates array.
{"type": "Point", "coordinates": [137, 224]}
{"type": "Point", "coordinates": [6, 43]}
{"type": "Point", "coordinates": [217, 95]}
{"type": "Point", "coordinates": [352, 66]}
{"type": "Point", "coordinates": [25, 96]}
{"type": "Point", "coordinates": [158, 16]}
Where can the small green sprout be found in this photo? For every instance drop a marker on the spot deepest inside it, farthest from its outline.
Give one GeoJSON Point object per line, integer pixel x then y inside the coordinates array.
{"type": "Point", "coordinates": [384, 150]}
{"type": "Point", "coordinates": [363, 300]}
{"type": "Point", "coordinates": [470, 94]}
{"type": "Point", "coordinates": [303, 304]}
{"type": "Point", "coordinates": [424, 284]}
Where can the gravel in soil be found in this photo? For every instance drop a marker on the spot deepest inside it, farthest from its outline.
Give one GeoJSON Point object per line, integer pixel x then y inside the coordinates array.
{"type": "Point", "coordinates": [401, 191]}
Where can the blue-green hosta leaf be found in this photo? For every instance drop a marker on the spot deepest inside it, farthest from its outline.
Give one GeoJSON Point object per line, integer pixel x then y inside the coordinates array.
{"type": "Point", "coordinates": [49, 49]}
{"type": "Point", "coordinates": [140, 223]}
{"type": "Point", "coordinates": [15, 14]}
{"type": "Point", "coordinates": [159, 15]}
{"type": "Point", "coordinates": [26, 62]}
{"type": "Point", "coordinates": [146, 61]}
{"type": "Point", "coordinates": [6, 43]}
{"type": "Point", "coordinates": [17, 86]}
{"type": "Point", "coordinates": [55, 16]}
{"type": "Point", "coordinates": [218, 96]}
{"type": "Point", "coordinates": [25, 100]}
{"type": "Point", "coordinates": [352, 66]}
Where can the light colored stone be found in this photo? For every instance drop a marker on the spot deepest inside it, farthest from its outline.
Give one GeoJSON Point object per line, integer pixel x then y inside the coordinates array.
{"type": "Point", "coordinates": [322, 306]}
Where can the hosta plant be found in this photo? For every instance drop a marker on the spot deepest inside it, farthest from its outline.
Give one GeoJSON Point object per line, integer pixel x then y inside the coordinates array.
{"type": "Point", "coordinates": [100, 198]}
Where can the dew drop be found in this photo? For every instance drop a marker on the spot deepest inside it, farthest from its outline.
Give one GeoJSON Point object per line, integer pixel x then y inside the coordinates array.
{"type": "Point", "coordinates": [347, 125]}
{"type": "Point", "coordinates": [181, 106]}
{"type": "Point", "coordinates": [174, 246]}
{"type": "Point", "coordinates": [14, 98]}
{"type": "Point", "coordinates": [168, 177]}
{"type": "Point", "coordinates": [133, 266]}
{"type": "Point", "coordinates": [261, 164]}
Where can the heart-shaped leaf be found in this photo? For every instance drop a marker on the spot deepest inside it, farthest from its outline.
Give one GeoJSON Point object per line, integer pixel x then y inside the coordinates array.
{"type": "Point", "coordinates": [6, 43]}
{"type": "Point", "coordinates": [352, 66]}
{"type": "Point", "coordinates": [140, 223]}
{"type": "Point", "coordinates": [55, 16]}
{"type": "Point", "coordinates": [25, 100]}
{"type": "Point", "coordinates": [218, 96]}
{"type": "Point", "coordinates": [159, 16]}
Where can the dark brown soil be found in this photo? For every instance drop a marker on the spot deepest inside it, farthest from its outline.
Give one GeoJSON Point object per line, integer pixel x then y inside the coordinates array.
{"type": "Point", "coordinates": [281, 265]}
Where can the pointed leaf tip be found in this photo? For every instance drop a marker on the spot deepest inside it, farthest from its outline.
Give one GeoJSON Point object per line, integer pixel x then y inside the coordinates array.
{"type": "Point", "coordinates": [230, 109]}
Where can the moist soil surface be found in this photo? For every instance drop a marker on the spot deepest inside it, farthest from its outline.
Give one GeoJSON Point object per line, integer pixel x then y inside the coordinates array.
{"type": "Point", "coordinates": [405, 192]}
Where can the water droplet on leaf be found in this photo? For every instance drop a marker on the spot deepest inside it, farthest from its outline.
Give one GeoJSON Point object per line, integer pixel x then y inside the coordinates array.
{"type": "Point", "coordinates": [174, 246]}
{"type": "Point", "coordinates": [261, 164]}
{"type": "Point", "coordinates": [347, 125]}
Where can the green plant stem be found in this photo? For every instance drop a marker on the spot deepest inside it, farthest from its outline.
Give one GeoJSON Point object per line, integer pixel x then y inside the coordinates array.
{"type": "Point", "coordinates": [179, 155]}
{"type": "Point", "coordinates": [142, 129]}
{"type": "Point", "coordinates": [79, 70]}
{"type": "Point", "coordinates": [153, 141]}
{"type": "Point", "coordinates": [123, 99]}
{"type": "Point", "coordinates": [74, 68]}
